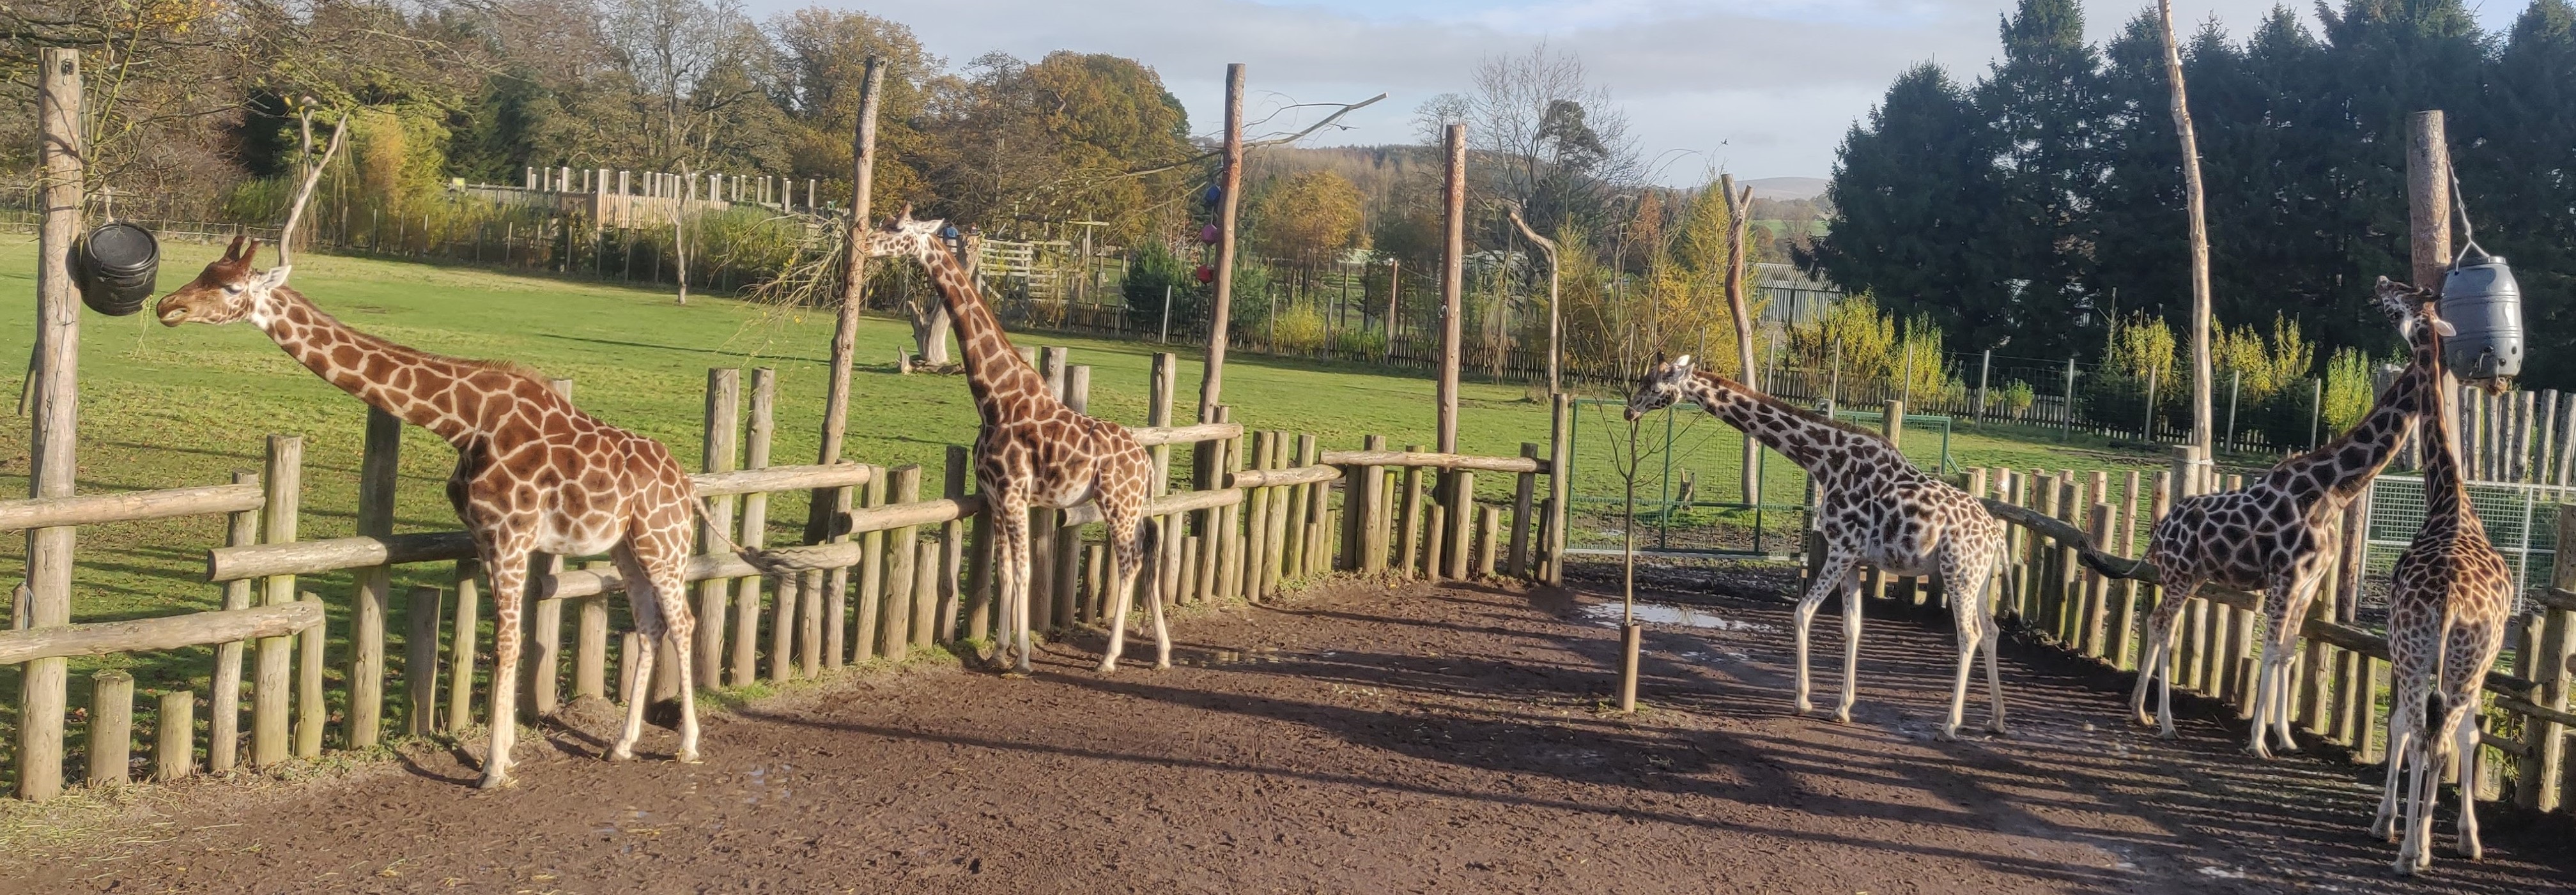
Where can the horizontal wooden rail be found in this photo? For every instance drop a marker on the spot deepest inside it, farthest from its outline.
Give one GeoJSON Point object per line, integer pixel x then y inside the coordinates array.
{"type": "Point", "coordinates": [1434, 461]}
{"type": "Point", "coordinates": [171, 632]}
{"type": "Point", "coordinates": [1300, 475]}
{"type": "Point", "coordinates": [2345, 636]}
{"type": "Point", "coordinates": [1150, 436]}
{"type": "Point", "coordinates": [1184, 502]}
{"type": "Point", "coordinates": [906, 515]}
{"type": "Point", "coordinates": [780, 478]}
{"type": "Point", "coordinates": [130, 506]}
{"type": "Point", "coordinates": [2555, 598]}
{"type": "Point", "coordinates": [315, 557]}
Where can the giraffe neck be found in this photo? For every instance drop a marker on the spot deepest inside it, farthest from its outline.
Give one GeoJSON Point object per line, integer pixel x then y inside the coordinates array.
{"type": "Point", "coordinates": [397, 379]}
{"type": "Point", "coordinates": [1807, 439]}
{"type": "Point", "coordinates": [995, 372]}
{"type": "Point", "coordinates": [2446, 496]}
{"type": "Point", "coordinates": [2336, 472]}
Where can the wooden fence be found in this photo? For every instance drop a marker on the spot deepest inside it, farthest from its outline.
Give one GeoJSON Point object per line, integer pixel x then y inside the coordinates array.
{"type": "Point", "coordinates": [899, 570]}
{"type": "Point", "coordinates": [2341, 671]}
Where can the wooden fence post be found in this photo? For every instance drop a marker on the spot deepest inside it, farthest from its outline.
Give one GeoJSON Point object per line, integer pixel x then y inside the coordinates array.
{"type": "Point", "coordinates": [872, 567]}
{"type": "Point", "coordinates": [925, 591]}
{"type": "Point", "coordinates": [420, 661]}
{"type": "Point", "coordinates": [2543, 769]}
{"type": "Point", "coordinates": [223, 703]}
{"type": "Point", "coordinates": [53, 383]}
{"type": "Point", "coordinates": [377, 468]}
{"type": "Point", "coordinates": [174, 736]}
{"type": "Point", "coordinates": [755, 534]}
{"type": "Point", "coordinates": [1489, 530]}
{"type": "Point", "coordinates": [1066, 582]}
{"type": "Point", "coordinates": [1256, 503]}
{"type": "Point", "coordinates": [979, 574]}
{"type": "Point", "coordinates": [1560, 468]}
{"type": "Point", "coordinates": [284, 485]}
{"type": "Point", "coordinates": [952, 534]}
{"type": "Point", "coordinates": [461, 638]}
{"type": "Point", "coordinates": [1230, 540]}
{"type": "Point", "coordinates": [1300, 505]}
{"type": "Point", "coordinates": [717, 454]}
{"type": "Point", "coordinates": [894, 620]}
{"type": "Point", "coordinates": [1408, 526]}
{"type": "Point", "coordinates": [1523, 490]}
{"type": "Point", "coordinates": [310, 715]}
{"type": "Point", "coordinates": [111, 727]}
{"type": "Point", "coordinates": [590, 643]}
{"type": "Point", "coordinates": [1462, 521]}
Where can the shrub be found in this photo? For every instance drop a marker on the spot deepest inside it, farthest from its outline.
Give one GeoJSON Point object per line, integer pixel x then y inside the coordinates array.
{"type": "Point", "coordinates": [2348, 391]}
{"type": "Point", "coordinates": [2014, 399]}
{"type": "Point", "coordinates": [1300, 328]}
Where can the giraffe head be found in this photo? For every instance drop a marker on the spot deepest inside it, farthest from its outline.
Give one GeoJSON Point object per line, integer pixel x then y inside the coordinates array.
{"type": "Point", "coordinates": [227, 291]}
{"type": "Point", "coordinates": [2414, 308]}
{"type": "Point", "coordinates": [909, 238]}
{"type": "Point", "coordinates": [1661, 387]}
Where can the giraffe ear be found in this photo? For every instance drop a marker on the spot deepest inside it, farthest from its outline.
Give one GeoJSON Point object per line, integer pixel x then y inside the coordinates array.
{"type": "Point", "coordinates": [2445, 328]}
{"type": "Point", "coordinates": [1683, 362]}
{"type": "Point", "coordinates": [276, 276]}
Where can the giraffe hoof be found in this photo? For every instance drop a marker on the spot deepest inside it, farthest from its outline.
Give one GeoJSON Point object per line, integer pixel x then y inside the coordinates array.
{"type": "Point", "coordinates": [1106, 666]}
{"type": "Point", "coordinates": [1946, 734]}
{"type": "Point", "coordinates": [621, 753]}
{"type": "Point", "coordinates": [1998, 729]}
{"type": "Point", "coordinates": [1162, 664]}
{"type": "Point", "coordinates": [688, 756]}
{"type": "Point", "coordinates": [2259, 752]}
{"type": "Point", "coordinates": [1842, 716]}
{"type": "Point", "coordinates": [492, 782]}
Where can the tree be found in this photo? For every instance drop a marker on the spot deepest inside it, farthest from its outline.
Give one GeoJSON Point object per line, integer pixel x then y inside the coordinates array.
{"type": "Point", "coordinates": [1308, 218]}
{"type": "Point", "coordinates": [1541, 135]}
{"type": "Point", "coordinates": [1915, 207]}
{"type": "Point", "coordinates": [2043, 106]}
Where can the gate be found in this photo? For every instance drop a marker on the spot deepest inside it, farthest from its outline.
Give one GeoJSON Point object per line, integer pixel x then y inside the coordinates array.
{"type": "Point", "coordinates": [2521, 521]}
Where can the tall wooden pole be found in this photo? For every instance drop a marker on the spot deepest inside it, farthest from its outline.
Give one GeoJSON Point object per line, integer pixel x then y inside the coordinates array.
{"type": "Point", "coordinates": [1453, 252]}
{"type": "Point", "coordinates": [2428, 196]}
{"type": "Point", "coordinates": [1212, 378]}
{"type": "Point", "coordinates": [845, 332]}
{"type": "Point", "coordinates": [1739, 223]}
{"type": "Point", "coordinates": [2428, 214]}
{"type": "Point", "coordinates": [41, 696]}
{"type": "Point", "coordinates": [2200, 365]}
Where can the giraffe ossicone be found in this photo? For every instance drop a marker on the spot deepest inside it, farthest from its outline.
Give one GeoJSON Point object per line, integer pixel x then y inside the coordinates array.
{"type": "Point", "coordinates": [1033, 451]}
{"type": "Point", "coordinates": [533, 474]}
{"type": "Point", "coordinates": [1873, 506]}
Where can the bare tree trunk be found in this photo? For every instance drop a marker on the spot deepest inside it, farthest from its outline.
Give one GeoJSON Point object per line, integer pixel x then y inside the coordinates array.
{"type": "Point", "coordinates": [1739, 222]}
{"type": "Point", "coordinates": [930, 325]}
{"type": "Point", "coordinates": [1221, 302]}
{"type": "Point", "coordinates": [2200, 365]}
{"type": "Point", "coordinates": [1553, 328]}
{"type": "Point", "coordinates": [679, 229]}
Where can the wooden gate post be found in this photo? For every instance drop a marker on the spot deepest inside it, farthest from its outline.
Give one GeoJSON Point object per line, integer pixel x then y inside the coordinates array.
{"type": "Point", "coordinates": [420, 661]}
{"type": "Point", "coordinates": [377, 469]}
{"type": "Point", "coordinates": [723, 420]}
{"type": "Point", "coordinates": [1559, 467]}
{"type": "Point", "coordinates": [755, 534]}
{"type": "Point", "coordinates": [223, 704]}
{"type": "Point", "coordinates": [283, 482]}
{"type": "Point", "coordinates": [1518, 565]}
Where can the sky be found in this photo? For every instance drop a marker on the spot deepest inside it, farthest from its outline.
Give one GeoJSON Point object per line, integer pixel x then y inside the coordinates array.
{"type": "Point", "coordinates": [1760, 89]}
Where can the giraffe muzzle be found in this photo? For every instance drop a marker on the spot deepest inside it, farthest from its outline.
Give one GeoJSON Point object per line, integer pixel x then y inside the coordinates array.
{"type": "Point", "coordinates": [173, 315]}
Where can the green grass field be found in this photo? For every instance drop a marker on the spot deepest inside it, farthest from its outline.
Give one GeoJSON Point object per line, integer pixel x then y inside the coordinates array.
{"type": "Point", "coordinates": [170, 407]}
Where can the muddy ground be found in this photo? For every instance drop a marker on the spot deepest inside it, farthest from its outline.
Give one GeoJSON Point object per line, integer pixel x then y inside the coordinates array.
{"type": "Point", "coordinates": [1354, 738]}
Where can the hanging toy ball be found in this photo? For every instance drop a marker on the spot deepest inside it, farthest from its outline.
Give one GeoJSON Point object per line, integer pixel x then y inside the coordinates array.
{"type": "Point", "coordinates": [2483, 303]}
{"type": "Point", "coordinates": [1214, 195]}
{"type": "Point", "coordinates": [1208, 234]}
{"type": "Point", "coordinates": [1206, 274]}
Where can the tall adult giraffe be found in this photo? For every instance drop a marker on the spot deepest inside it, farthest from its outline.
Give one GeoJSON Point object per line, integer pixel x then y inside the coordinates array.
{"type": "Point", "coordinates": [533, 474]}
{"type": "Point", "coordinates": [1034, 451]}
{"type": "Point", "coordinates": [2448, 600]}
{"type": "Point", "coordinates": [1873, 507]}
{"type": "Point", "coordinates": [2278, 535]}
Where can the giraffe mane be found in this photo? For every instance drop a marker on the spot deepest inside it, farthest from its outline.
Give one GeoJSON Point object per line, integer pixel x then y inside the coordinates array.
{"type": "Point", "coordinates": [1757, 396]}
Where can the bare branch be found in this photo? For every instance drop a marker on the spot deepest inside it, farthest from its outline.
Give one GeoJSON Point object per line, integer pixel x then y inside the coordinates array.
{"type": "Point", "coordinates": [295, 213]}
{"type": "Point", "coordinates": [1328, 121]}
{"type": "Point", "coordinates": [1544, 243]}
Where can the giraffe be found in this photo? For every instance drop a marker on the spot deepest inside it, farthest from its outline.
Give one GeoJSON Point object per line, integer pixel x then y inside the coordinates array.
{"type": "Point", "coordinates": [533, 474]}
{"type": "Point", "coordinates": [2278, 534]}
{"type": "Point", "coordinates": [1034, 451]}
{"type": "Point", "coordinates": [1874, 506]}
{"type": "Point", "coordinates": [2449, 597]}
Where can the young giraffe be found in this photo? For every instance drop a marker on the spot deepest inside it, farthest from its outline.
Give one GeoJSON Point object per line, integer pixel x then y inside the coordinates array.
{"type": "Point", "coordinates": [2277, 535]}
{"type": "Point", "coordinates": [1874, 507]}
{"type": "Point", "coordinates": [1034, 451]}
{"type": "Point", "coordinates": [533, 474]}
{"type": "Point", "coordinates": [2448, 601]}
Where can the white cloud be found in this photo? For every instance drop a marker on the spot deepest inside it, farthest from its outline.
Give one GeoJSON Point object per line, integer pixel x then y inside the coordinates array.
{"type": "Point", "coordinates": [1762, 89]}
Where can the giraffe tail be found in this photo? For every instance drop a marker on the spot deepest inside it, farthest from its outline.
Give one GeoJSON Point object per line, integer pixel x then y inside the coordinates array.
{"type": "Point", "coordinates": [2086, 552]}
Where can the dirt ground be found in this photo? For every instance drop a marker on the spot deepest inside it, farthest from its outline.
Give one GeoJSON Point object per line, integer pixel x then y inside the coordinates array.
{"type": "Point", "coordinates": [1356, 738]}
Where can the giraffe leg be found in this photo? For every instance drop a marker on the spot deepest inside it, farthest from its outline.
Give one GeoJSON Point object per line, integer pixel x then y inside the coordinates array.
{"type": "Point", "coordinates": [1966, 583]}
{"type": "Point", "coordinates": [641, 603]}
{"type": "Point", "coordinates": [2155, 663]}
{"type": "Point", "coordinates": [508, 569]}
{"type": "Point", "coordinates": [1125, 556]}
{"type": "Point", "coordinates": [1011, 526]}
{"type": "Point", "coordinates": [2405, 714]}
{"type": "Point", "coordinates": [663, 567]}
{"type": "Point", "coordinates": [2465, 748]}
{"type": "Point", "coordinates": [1155, 585]}
{"type": "Point", "coordinates": [1829, 578]}
{"type": "Point", "coordinates": [1851, 647]}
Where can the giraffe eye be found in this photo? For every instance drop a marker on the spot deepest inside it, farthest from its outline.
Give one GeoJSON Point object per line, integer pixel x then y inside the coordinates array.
{"type": "Point", "coordinates": [234, 289]}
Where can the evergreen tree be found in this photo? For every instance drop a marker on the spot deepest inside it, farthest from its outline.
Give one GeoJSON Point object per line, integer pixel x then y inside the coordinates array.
{"type": "Point", "coordinates": [2045, 107]}
{"type": "Point", "coordinates": [1914, 206]}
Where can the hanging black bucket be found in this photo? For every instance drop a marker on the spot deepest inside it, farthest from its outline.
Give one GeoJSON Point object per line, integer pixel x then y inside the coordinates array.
{"type": "Point", "coordinates": [2481, 300]}
{"type": "Point", "coordinates": [117, 267]}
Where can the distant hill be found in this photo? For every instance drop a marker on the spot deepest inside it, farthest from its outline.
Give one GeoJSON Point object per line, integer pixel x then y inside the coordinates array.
{"type": "Point", "coordinates": [1787, 187]}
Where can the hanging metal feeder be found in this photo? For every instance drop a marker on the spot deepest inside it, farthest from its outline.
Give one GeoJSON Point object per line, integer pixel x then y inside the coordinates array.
{"type": "Point", "coordinates": [2483, 303]}
{"type": "Point", "coordinates": [116, 267]}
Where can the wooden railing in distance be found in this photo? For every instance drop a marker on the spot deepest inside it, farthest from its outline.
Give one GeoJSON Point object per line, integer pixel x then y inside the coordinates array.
{"type": "Point", "coordinates": [130, 506]}
{"type": "Point", "coordinates": [169, 632]}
